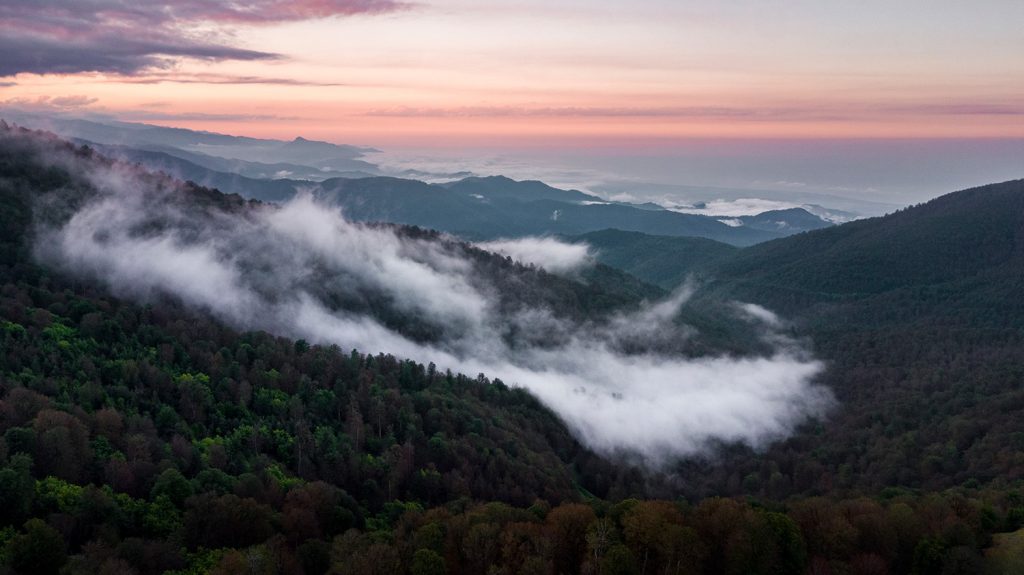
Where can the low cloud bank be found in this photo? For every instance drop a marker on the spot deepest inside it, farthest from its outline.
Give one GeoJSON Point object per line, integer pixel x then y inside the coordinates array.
{"type": "Point", "coordinates": [549, 253]}
{"type": "Point", "coordinates": [302, 270]}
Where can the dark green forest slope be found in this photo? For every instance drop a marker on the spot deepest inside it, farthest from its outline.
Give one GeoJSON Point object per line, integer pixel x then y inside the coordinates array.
{"type": "Point", "coordinates": [153, 439]}
{"type": "Point", "coordinates": [661, 260]}
{"type": "Point", "coordinates": [921, 317]}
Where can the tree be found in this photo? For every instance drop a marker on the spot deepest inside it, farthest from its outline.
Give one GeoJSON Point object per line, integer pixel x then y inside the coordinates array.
{"type": "Point", "coordinates": [619, 560]}
{"type": "Point", "coordinates": [568, 524]}
{"type": "Point", "coordinates": [17, 490]}
{"type": "Point", "coordinates": [172, 484]}
{"type": "Point", "coordinates": [40, 550]}
{"type": "Point", "coordinates": [427, 562]}
{"type": "Point", "coordinates": [62, 445]}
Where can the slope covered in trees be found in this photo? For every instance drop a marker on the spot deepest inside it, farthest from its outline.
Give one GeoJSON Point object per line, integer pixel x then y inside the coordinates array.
{"type": "Point", "coordinates": [919, 315]}
{"type": "Point", "coordinates": [660, 260]}
{"type": "Point", "coordinates": [960, 237]}
{"type": "Point", "coordinates": [153, 438]}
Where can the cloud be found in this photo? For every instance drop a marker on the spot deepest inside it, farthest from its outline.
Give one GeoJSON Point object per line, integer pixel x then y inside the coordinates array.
{"type": "Point", "coordinates": [959, 109]}
{"type": "Point", "coordinates": [571, 111]}
{"type": "Point", "coordinates": [113, 36]}
{"type": "Point", "coordinates": [151, 115]}
{"type": "Point", "coordinates": [302, 270]}
{"type": "Point", "coordinates": [72, 101]}
{"type": "Point", "coordinates": [105, 50]}
{"type": "Point", "coordinates": [782, 113]}
{"type": "Point", "coordinates": [729, 208]}
{"type": "Point", "coordinates": [46, 104]}
{"type": "Point", "coordinates": [220, 79]}
{"type": "Point", "coordinates": [81, 107]}
{"type": "Point", "coordinates": [549, 253]}
{"type": "Point", "coordinates": [760, 314]}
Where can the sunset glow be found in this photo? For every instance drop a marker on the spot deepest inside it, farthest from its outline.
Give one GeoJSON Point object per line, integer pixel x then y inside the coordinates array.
{"type": "Point", "coordinates": [450, 73]}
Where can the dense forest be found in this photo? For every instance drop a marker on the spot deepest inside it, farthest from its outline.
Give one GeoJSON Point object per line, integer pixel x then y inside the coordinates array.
{"type": "Point", "coordinates": [919, 314]}
{"type": "Point", "coordinates": [152, 438]}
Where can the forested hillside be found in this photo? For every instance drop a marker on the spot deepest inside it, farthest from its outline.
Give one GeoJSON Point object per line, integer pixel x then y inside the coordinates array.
{"type": "Point", "coordinates": [152, 438]}
{"type": "Point", "coordinates": [661, 260]}
{"type": "Point", "coordinates": [919, 314]}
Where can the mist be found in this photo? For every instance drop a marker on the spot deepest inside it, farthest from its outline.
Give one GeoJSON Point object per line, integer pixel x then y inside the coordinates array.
{"type": "Point", "coordinates": [546, 252]}
{"type": "Point", "coordinates": [302, 270]}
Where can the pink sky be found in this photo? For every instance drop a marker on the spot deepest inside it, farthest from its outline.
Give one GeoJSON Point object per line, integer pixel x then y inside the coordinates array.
{"type": "Point", "coordinates": [594, 74]}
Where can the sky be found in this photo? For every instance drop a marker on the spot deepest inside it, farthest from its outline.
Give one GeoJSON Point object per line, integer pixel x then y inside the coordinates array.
{"type": "Point", "coordinates": [589, 78]}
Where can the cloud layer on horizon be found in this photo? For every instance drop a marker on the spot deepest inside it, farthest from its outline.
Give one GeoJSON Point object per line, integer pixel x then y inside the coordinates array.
{"type": "Point", "coordinates": [119, 37]}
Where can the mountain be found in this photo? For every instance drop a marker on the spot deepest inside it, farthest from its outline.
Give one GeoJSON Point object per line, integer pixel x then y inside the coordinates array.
{"type": "Point", "coordinates": [314, 153]}
{"type": "Point", "coordinates": [494, 187]}
{"type": "Point", "coordinates": [837, 208]}
{"type": "Point", "coordinates": [413, 202]}
{"type": "Point", "coordinates": [789, 221]}
{"type": "Point", "coordinates": [918, 314]}
{"type": "Point", "coordinates": [269, 190]}
{"type": "Point", "coordinates": [146, 429]}
{"type": "Point", "coordinates": [660, 260]}
{"type": "Point", "coordinates": [310, 154]}
{"type": "Point", "coordinates": [476, 208]}
{"type": "Point", "coordinates": [963, 238]}
{"type": "Point", "coordinates": [498, 207]}
{"type": "Point", "coordinates": [254, 170]}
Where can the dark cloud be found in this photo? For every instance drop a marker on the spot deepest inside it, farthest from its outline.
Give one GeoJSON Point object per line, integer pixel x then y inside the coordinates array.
{"type": "Point", "coordinates": [109, 52]}
{"type": "Point", "coordinates": [124, 37]}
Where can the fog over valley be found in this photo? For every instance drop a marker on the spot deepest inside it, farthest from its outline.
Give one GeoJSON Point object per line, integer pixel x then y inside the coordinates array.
{"type": "Point", "coordinates": [304, 271]}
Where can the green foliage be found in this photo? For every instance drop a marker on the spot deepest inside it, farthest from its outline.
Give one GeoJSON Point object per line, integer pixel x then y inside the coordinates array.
{"type": "Point", "coordinates": [427, 562]}
{"type": "Point", "coordinates": [172, 485]}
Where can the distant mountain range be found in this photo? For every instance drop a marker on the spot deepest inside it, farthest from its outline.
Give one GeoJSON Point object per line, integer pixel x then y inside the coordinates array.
{"type": "Point", "coordinates": [473, 207]}
{"type": "Point", "coordinates": [160, 138]}
{"type": "Point", "coordinates": [486, 208]}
